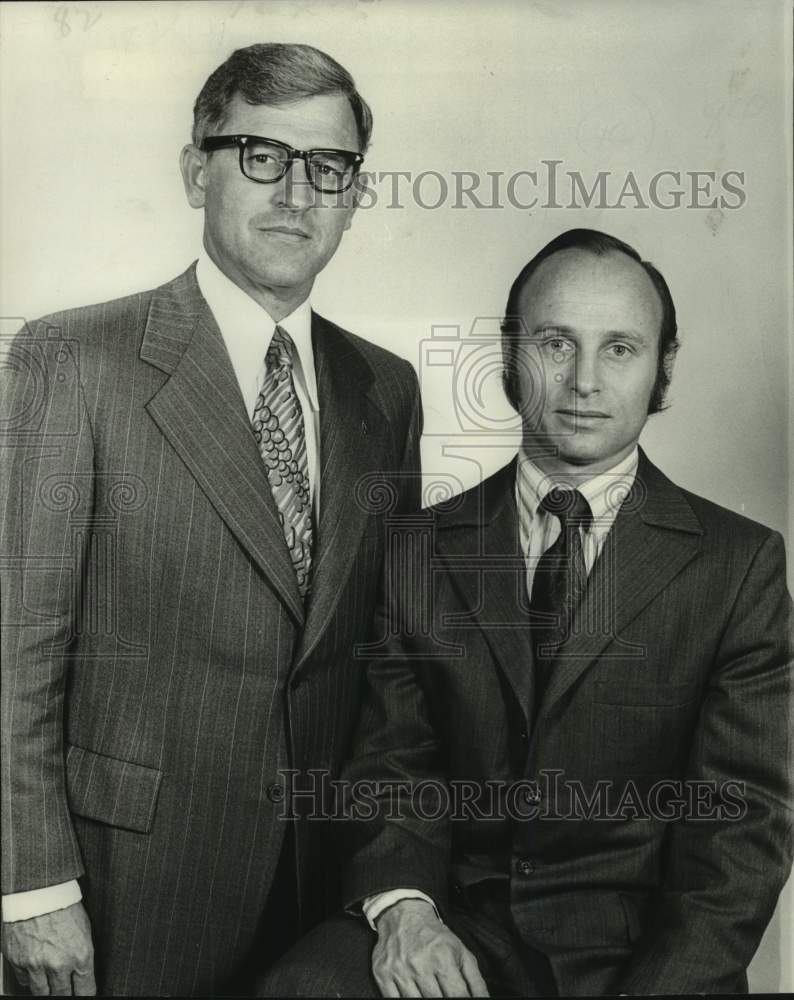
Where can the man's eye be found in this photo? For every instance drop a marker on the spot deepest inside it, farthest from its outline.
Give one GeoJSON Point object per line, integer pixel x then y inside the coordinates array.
{"type": "Point", "coordinates": [620, 350]}
{"type": "Point", "coordinates": [263, 158]}
{"type": "Point", "coordinates": [557, 345]}
{"type": "Point", "coordinates": [329, 169]}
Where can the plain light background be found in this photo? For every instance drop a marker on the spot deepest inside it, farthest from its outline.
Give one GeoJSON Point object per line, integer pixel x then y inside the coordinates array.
{"type": "Point", "coordinates": [96, 102]}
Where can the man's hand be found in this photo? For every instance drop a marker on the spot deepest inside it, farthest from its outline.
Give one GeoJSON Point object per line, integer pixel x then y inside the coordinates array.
{"type": "Point", "coordinates": [418, 956]}
{"type": "Point", "coordinates": [53, 954]}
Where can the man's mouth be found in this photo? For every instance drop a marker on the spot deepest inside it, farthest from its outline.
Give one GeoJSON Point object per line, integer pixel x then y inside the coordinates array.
{"type": "Point", "coordinates": [585, 414]}
{"type": "Point", "coordinates": [290, 232]}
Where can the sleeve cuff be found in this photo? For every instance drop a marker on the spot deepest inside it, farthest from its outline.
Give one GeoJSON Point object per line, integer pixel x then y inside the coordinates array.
{"type": "Point", "coordinates": [373, 906]}
{"type": "Point", "coordinates": [37, 902]}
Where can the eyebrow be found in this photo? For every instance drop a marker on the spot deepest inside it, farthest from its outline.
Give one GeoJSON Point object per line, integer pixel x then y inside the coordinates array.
{"type": "Point", "coordinates": [551, 328]}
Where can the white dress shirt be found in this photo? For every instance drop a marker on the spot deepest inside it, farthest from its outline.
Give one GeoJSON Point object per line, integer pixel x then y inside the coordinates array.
{"type": "Point", "coordinates": [247, 330]}
{"type": "Point", "coordinates": [538, 531]}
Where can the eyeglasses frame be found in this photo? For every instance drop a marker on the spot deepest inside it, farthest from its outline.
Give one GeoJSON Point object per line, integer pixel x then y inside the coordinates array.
{"type": "Point", "coordinates": [241, 140]}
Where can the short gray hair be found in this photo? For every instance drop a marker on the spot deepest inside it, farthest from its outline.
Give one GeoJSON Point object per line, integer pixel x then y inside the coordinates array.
{"type": "Point", "coordinates": [275, 73]}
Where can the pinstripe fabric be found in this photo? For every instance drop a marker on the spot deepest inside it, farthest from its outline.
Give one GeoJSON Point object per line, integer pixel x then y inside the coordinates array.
{"type": "Point", "coordinates": [159, 667]}
{"type": "Point", "coordinates": [687, 679]}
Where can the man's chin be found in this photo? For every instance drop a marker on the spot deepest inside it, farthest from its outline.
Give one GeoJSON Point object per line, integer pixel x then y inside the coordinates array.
{"type": "Point", "coordinates": [560, 456]}
{"type": "Point", "coordinates": [282, 278]}
{"type": "Point", "coordinates": [572, 449]}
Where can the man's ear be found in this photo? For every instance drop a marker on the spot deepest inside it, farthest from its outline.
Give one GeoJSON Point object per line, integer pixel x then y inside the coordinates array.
{"type": "Point", "coordinates": [192, 163]}
{"type": "Point", "coordinates": [668, 361]}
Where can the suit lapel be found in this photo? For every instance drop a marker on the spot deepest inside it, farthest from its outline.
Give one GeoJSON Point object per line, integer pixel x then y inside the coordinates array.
{"type": "Point", "coordinates": [353, 436]}
{"type": "Point", "coordinates": [479, 543]}
{"type": "Point", "coordinates": [655, 535]}
{"type": "Point", "coordinates": [200, 410]}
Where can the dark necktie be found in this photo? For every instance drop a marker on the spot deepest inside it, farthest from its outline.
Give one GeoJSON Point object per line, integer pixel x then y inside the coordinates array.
{"type": "Point", "coordinates": [560, 579]}
{"type": "Point", "coordinates": [281, 436]}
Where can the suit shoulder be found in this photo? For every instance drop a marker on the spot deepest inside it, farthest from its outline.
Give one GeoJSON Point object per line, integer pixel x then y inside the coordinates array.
{"type": "Point", "coordinates": [478, 503]}
{"type": "Point", "coordinates": [382, 361]}
{"type": "Point", "coordinates": [720, 527]}
{"type": "Point", "coordinates": [94, 318]}
{"type": "Point", "coordinates": [725, 524]}
{"type": "Point", "coordinates": [96, 338]}
{"type": "Point", "coordinates": [113, 316]}
{"type": "Point", "coordinates": [101, 331]}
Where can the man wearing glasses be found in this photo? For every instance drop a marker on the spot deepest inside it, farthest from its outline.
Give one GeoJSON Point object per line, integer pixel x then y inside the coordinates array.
{"type": "Point", "coordinates": [192, 558]}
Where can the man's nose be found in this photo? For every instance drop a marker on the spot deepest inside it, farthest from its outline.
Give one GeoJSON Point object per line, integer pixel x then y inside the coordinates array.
{"type": "Point", "coordinates": [295, 190]}
{"type": "Point", "coordinates": [585, 378]}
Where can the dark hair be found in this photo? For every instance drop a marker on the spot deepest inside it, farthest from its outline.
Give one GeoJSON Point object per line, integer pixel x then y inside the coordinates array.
{"type": "Point", "coordinates": [597, 243]}
{"type": "Point", "coordinates": [273, 73]}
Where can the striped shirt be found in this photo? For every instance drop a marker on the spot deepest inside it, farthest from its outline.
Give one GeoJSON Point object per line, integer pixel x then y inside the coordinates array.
{"type": "Point", "coordinates": [539, 530]}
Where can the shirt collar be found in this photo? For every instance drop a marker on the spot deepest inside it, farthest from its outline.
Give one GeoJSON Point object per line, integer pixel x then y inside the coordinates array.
{"type": "Point", "coordinates": [247, 329]}
{"type": "Point", "coordinates": [604, 492]}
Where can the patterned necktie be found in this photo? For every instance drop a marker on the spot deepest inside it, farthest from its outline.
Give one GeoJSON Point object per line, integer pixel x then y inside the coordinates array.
{"type": "Point", "coordinates": [281, 436]}
{"type": "Point", "coordinates": [560, 578]}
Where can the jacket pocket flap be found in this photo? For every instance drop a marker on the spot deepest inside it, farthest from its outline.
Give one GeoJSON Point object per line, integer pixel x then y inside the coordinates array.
{"type": "Point", "coordinates": [582, 921]}
{"type": "Point", "coordinates": [118, 792]}
{"type": "Point", "coordinates": [643, 695]}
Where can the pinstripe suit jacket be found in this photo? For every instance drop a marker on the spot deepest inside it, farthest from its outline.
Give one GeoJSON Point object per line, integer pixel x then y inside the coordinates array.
{"type": "Point", "coordinates": [159, 668]}
{"type": "Point", "coordinates": [676, 675]}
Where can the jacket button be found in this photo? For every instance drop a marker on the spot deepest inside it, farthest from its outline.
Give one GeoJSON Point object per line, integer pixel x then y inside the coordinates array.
{"type": "Point", "coordinates": [275, 792]}
{"type": "Point", "coordinates": [524, 736]}
{"type": "Point", "coordinates": [525, 867]}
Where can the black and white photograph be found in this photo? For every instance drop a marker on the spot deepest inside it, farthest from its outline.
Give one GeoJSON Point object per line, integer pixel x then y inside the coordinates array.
{"type": "Point", "coordinates": [396, 452]}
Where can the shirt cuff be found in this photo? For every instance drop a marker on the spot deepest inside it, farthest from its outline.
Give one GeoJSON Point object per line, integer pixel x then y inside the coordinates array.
{"type": "Point", "coordinates": [37, 902]}
{"type": "Point", "coordinates": [373, 906]}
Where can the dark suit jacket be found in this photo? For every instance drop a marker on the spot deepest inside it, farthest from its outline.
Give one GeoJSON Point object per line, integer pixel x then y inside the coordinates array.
{"type": "Point", "coordinates": [678, 669]}
{"type": "Point", "coordinates": [159, 666]}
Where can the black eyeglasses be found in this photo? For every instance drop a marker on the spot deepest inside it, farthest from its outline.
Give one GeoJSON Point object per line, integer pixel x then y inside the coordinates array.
{"type": "Point", "coordinates": [267, 161]}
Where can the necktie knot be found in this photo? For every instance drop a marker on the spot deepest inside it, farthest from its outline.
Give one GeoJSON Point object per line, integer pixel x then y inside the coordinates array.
{"type": "Point", "coordinates": [279, 354]}
{"type": "Point", "coordinates": [569, 506]}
